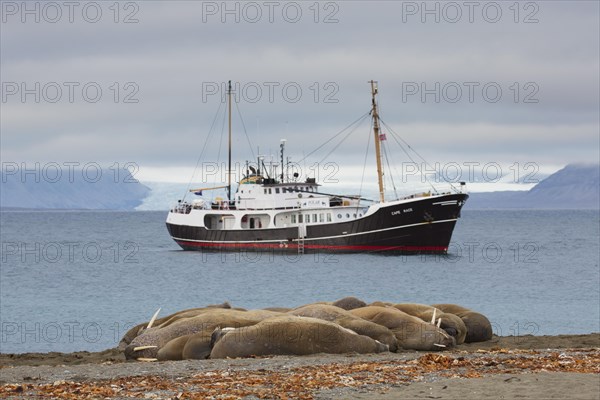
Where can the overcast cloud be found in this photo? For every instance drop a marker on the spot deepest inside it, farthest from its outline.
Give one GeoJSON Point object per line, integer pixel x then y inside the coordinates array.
{"type": "Point", "coordinates": [542, 55]}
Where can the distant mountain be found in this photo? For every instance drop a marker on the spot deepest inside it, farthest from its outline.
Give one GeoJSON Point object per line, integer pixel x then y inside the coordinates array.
{"type": "Point", "coordinates": [573, 187]}
{"type": "Point", "coordinates": [100, 190]}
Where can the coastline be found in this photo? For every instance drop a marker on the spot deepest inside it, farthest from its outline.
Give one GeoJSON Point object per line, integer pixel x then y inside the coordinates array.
{"type": "Point", "coordinates": [504, 367]}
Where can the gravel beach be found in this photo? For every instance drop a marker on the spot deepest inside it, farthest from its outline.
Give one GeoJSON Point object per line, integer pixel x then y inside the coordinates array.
{"type": "Point", "coordinates": [525, 367]}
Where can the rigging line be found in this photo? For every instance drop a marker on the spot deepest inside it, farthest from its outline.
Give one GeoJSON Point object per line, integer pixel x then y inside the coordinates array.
{"type": "Point", "coordinates": [362, 178]}
{"type": "Point", "coordinates": [220, 146]}
{"type": "Point", "coordinates": [359, 120]}
{"type": "Point", "coordinates": [237, 107]}
{"type": "Point", "coordinates": [396, 136]}
{"type": "Point", "coordinates": [403, 141]}
{"type": "Point", "coordinates": [212, 125]}
{"type": "Point", "coordinates": [387, 160]}
{"type": "Point", "coordinates": [390, 167]}
{"type": "Point", "coordinates": [342, 141]}
{"type": "Point", "coordinates": [396, 171]}
{"type": "Point", "coordinates": [421, 157]}
{"type": "Point", "coordinates": [413, 161]}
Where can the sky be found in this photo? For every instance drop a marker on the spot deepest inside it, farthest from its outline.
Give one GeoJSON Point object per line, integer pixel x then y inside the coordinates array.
{"type": "Point", "coordinates": [476, 88]}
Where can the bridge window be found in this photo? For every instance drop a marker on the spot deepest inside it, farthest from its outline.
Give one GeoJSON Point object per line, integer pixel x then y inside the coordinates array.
{"type": "Point", "coordinates": [328, 217]}
{"type": "Point", "coordinates": [277, 190]}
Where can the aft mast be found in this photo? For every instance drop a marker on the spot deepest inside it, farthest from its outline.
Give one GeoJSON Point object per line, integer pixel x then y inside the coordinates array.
{"type": "Point", "coordinates": [229, 165]}
{"type": "Point", "coordinates": [375, 114]}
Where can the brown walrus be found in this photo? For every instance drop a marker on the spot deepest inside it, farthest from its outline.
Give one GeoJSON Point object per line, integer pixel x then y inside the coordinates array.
{"type": "Point", "coordinates": [159, 322]}
{"type": "Point", "coordinates": [412, 333]}
{"type": "Point", "coordinates": [196, 346]}
{"type": "Point", "coordinates": [479, 328]}
{"type": "Point", "coordinates": [291, 335]}
{"type": "Point", "coordinates": [349, 303]}
{"type": "Point", "coordinates": [452, 324]}
{"type": "Point", "coordinates": [150, 341]}
{"type": "Point", "coordinates": [173, 350]}
{"type": "Point", "coordinates": [348, 320]}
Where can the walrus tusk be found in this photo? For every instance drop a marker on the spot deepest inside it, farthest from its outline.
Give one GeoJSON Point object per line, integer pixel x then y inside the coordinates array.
{"type": "Point", "coordinates": [153, 319]}
{"type": "Point", "coordinates": [435, 344]}
{"type": "Point", "coordinates": [439, 322]}
{"type": "Point", "coordinates": [147, 359]}
{"type": "Point", "coordinates": [139, 348]}
{"type": "Point", "coordinates": [433, 318]}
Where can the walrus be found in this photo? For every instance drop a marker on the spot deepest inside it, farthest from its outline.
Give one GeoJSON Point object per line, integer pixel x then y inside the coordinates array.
{"type": "Point", "coordinates": [150, 341]}
{"type": "Point", "coordinates": [349, 303]}
{"type": "Point", "coordinates": [411, 332]}
{"type": "Point", "coordinates": [348, 320]}
{"type": "Point", "coordinates": [292, 335]}
{"type": "Point", "coordinates": [160, 322]}
{"type": "Point", "coordinates": [479, 328]}
{"type": "Point", "coordinates": [173, 350]}
{"type": "Point", "coordinates": [196, 346]}
{"type": "Point", "coordinates": [452, 324]}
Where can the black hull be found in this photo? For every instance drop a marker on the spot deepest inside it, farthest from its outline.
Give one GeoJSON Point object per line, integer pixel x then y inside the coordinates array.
{"type": "Point", "coordinates": [424, 225]}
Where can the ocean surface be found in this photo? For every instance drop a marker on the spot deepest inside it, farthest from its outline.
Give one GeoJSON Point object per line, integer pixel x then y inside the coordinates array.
{"type": "Point", "coordinates": [76, 280]}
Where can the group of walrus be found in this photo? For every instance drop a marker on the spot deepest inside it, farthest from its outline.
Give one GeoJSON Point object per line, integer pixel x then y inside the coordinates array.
{"type": "Point", "coordinates": [348, 325]}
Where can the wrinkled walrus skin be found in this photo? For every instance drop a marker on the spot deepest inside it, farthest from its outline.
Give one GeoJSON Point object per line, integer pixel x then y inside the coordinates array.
{"type": "Point", "coordinates": [412, 333]}
{"type": "Point", "coordinates": [205, 322]}
{"type": "Point", "coordinates": [191, 312]}
{"type": "Point", "coordinates": [291, 335]}
{"type": "Point", "coordinates": [479, 328]}
{"type": "Point", "coordinates": [348, 320]}
{"type": "Point", "coordinates": [452, 324]}
{"type": "Point", "coordinates": [195, 346]}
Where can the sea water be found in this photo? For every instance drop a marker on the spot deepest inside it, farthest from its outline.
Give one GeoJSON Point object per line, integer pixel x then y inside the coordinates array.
{"type": "Point", "coordinates": [78, 280]}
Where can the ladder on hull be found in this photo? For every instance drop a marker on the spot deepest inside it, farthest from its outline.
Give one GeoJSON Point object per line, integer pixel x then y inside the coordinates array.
{"type": "Point", "coordinates": [301, 236]}
{"type": "Point", "coordinates": [300, 245]}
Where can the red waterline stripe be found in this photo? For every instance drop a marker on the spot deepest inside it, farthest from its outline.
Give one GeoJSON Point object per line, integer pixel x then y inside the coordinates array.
{"type": "Point", "coordinates": [311, 246]}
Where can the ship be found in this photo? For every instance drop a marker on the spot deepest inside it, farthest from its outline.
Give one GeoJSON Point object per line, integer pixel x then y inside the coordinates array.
{"type": "Point", "coordinates": [273, 212]}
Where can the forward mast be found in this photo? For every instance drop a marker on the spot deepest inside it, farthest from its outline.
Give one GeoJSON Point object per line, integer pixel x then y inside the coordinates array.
{"type": "Point", "coordinates": [375, 114]}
